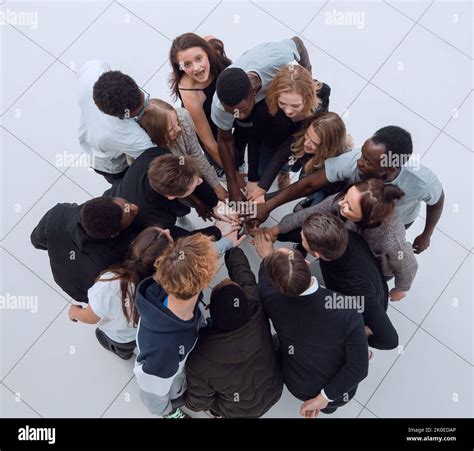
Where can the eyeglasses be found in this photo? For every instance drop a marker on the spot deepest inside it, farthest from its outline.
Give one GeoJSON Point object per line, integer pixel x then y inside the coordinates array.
{"type": "Point", "coordinates": [142, 110]}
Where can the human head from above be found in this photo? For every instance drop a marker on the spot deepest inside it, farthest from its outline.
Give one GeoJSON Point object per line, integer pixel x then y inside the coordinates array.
{"type": "Point", "coordinates": [384, 153]}
{"type": "Point", "coordinates": [199, 58]}
{"type": "Point", "coordinates": [105, 217]}
{"type": "Point", "coordinates": [324, 236]}
{"type": "Point", "coordinates": [293, 90]}
{"type": "Point", "coordinates": [187, 266]}
{"type": "Point", "coordinates": [228, 306]}
{"type": "Point", "coordinates": [174, 176]}
{"type": "Point", "coordinates": [161, 123]}
{"type": "Point", "coordinates": [288, 271]}
{"type": "Point", "coordinates": [368, 202]}
{"type": "Point", "coordinates": [117, 94]}
{"type": "Point", "coordinates": [138, 264]}
{"type": "Point", "coordinates": [323, 137]}
{"type": "Point", "coordinates": [235, 92]}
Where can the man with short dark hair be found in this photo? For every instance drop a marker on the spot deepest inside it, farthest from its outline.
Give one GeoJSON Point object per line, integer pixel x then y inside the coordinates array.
{"type": "Point", "coordinates": [110, 103]}
{"type": "Point", "coordinates": [384, 156]}
{"type": "Point", "coordinates": [239, 87]}
{"type": "Point", "coordinates": [322, 346]}
{"type": "Point", "coordinates": [349, 267]}
{"type": "Point", "coordinates": [83, 240]}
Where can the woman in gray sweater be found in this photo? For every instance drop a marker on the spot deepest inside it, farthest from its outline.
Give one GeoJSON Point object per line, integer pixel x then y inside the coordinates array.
{"type": "Point", "coordinates": [366, 207]}
{"type": "Point", "coordinates": [173, 129]}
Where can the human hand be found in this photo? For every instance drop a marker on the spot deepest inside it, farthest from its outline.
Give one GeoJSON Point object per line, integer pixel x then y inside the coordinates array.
{"type": "Point", "coordinates": [395, 295]}
{"type": "Point", "coordinates": [421, 243]}
{"type": "Point", "coordinates": [263, 243]}
{"type": "Point", "coordinates": [312, 407]}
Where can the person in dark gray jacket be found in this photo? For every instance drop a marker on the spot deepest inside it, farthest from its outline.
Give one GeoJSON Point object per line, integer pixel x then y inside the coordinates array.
{"type": "Point", "coordinates": [233, 371]}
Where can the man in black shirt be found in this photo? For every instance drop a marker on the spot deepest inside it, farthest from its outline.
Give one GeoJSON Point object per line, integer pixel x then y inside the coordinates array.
{"type": "Point", "coordinates": [349, 267]}
{"type": "Point", "coordinates": [323, 348]}
{"type": "Point", "coordinates": [84, 240]}
{"type": "Point", "coordinates": [155, 181]}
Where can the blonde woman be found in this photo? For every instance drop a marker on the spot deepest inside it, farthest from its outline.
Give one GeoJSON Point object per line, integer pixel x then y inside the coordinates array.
{"type": "Point", "coordinates": [173, 129]}
{"type": "Point", "coordinates": [292, 98]}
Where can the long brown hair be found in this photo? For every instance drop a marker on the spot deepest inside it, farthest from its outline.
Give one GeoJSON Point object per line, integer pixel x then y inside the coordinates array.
{"type": "Point", "coordinates": [139, 263]}
{"type": "Point", "coordinates": [331, 131]}
{"type": "Point", "coordinates": [214, 49]}
{"type": "Point", "coordinates": [155, 121]}
{"type": "Point", "coordinates": [377, 201]}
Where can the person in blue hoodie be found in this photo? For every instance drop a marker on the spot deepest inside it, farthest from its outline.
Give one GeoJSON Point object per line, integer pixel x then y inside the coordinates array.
{"type": "Point", "coordinates": [170, 318]}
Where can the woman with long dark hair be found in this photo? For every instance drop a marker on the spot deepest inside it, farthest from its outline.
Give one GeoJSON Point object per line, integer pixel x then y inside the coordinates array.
{"type": "Point", "coordinates": [196, 63]}
{"type": "Point", "coordinates": [112, 298]}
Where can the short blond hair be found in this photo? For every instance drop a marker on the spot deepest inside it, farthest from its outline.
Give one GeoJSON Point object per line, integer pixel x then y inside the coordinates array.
{"type": "Point", "coordinates": [187, 266]}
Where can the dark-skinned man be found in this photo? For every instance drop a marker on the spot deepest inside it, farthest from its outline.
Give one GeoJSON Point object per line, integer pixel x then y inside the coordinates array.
{"type": "Point", "coordinates": [385, 156]}
{"type": "Point", "coordinates": [239, 87]}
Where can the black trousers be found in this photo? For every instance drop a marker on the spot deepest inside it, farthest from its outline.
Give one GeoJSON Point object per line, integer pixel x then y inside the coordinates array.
{"type": "Point", "coordinates": [111, 178]}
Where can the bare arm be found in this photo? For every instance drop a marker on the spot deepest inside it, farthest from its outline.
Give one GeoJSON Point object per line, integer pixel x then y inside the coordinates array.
{"type": "Point", "coordinates": [203, 130]}
{"type": "Point", "coordinates": [304, 55]}
{"type": "Point", "coordinates": [433, 213]}
{"type": "Point", "coordinates": [226, 145]}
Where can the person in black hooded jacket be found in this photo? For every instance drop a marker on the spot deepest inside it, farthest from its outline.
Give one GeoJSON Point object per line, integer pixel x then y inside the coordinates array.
{"type": "Point", "coordinates": [233, 371]}
{"type": "Point", "coordinates": [83, 240]}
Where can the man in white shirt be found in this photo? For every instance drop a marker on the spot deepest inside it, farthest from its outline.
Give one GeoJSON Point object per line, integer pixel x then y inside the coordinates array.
{"type": "Point", "coordinates": [111, 104]}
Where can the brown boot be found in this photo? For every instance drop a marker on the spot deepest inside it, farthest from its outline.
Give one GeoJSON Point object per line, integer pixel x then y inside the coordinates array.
{"type": "Point", "coordinates": [283, 179]}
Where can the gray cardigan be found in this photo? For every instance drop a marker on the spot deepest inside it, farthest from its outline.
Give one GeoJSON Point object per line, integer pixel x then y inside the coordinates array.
{"type": "Point", "coordinates": [387, 241]}
{"type": "Point", "coordinates": [188, 144]}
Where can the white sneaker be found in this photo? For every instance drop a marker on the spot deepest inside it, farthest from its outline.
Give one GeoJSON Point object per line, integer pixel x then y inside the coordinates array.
{"type": "Point", "coordinates": [185, 223]}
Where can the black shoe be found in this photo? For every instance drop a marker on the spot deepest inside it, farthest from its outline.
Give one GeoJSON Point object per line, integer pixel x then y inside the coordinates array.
{"type": "Point", "coordinates": [302, 204]}
{"type": "Point", "coordinates": [123, 350]}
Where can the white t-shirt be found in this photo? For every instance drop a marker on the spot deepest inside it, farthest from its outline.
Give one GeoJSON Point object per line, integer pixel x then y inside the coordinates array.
{"type": "Point", "coordinates": [105, 300]}
{"type": "Point", "coordinates": [418, 183]}
{"type": "Point", "coordinates": [265, 60]}
{"type": "Point", "coordinates": [106, 138]}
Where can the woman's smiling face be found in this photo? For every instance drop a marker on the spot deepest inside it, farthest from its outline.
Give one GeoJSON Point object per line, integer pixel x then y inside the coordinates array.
{"type": "Point", "coordinates": [195, 63]}
{"type": "Point", "coordinates": [349, 205]}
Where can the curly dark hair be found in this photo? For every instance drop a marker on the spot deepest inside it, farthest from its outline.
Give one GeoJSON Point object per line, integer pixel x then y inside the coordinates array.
{"type": "Point", "coordinates": [116, 94]}
{"type": "Point", "coordinates": [397, 141]}
{"type": "Point", "coordinates": [101, 217]}
{"type": "Point", "coordinates": [233, 86]}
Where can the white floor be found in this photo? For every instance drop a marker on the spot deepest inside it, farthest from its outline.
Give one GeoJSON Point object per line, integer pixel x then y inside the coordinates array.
{"type": "Point", "coordinates": [407, 63]}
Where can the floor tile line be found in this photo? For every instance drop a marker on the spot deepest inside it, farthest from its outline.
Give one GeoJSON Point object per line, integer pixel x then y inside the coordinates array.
{"type": "Point", "coordinates": [156, 71]}
{"type": "Point", "coordinates": [166, 60]}
{"type": "Point", "coordinates": [62, 173]}
{"type": "Point", "coordinates": [22, 400]}
{"type": "Point", "coordinates": [429, 31]}
{"type": "Point", "coordinates": [388, 371]}
{"type": "Point", "coordinates": [31, 208]}
{"type": "Point", "coordinates": [26, 90]}
{"type": "Point", "coordinates": [42, 48]}
{"type": "Point", "coordinates": [143, 20]}
{"type": "Point", "coordinates": [352, 70]}
{"type": "Point", "coordinates": [208, 15]}
{"type": "Point", "coordinates": [34, 342]}
{"type": "Point", "coordinates": [314, 17]}
{"type": "Point", "coordinates": [446, 124]}
{"type": "Point", "coordinates": [55, 60]}
{"type": "Point", "coordinates": [447, 235]}
{"type": "Point", "coordinates": [34, 272]}
{"type": "Point", "coordinates": [116, 397]}
{"type": "Point", "coordinates": [417, 329]}
{"type": "Point", "coordinates": [441, 342]}
{"type": "Point", "coordinates": [308, 40]}
{"type": "Point", "coordinates": [388, 57]}
{"type": "Point", "coordinates": [445, 288]}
